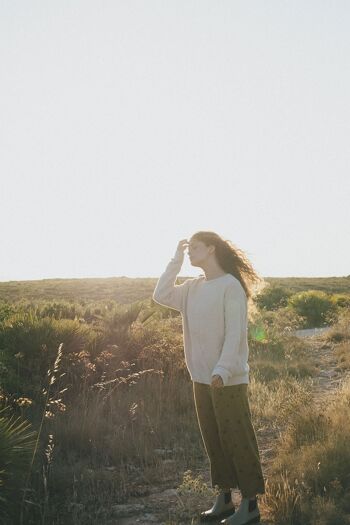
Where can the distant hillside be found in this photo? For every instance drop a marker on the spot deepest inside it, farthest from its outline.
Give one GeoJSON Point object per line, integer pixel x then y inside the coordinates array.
{"type": "Point", "coordinates": [325, 284]}
{"type": "Point", "coordinates": [126, 290]}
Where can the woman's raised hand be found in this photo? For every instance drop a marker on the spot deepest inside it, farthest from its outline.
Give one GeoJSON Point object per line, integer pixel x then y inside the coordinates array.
{"type": "Point", "coordinates": [182, 245]}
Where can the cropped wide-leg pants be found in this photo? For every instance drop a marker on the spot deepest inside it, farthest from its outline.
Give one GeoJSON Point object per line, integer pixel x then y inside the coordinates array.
{"type": "Point", "coordinates": [225, 423]}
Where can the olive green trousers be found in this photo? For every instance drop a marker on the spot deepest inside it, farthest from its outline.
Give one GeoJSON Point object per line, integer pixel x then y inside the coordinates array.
{"type": "Point", "coordinates": [225, 423]}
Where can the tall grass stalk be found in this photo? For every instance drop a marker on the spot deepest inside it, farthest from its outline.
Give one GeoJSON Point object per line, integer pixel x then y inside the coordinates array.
{"type": "Point", "coordinates": [52, 376]}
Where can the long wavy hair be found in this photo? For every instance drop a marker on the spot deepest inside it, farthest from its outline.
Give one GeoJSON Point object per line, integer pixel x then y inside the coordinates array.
{"type": "Point", "coordinates": [232, 260]}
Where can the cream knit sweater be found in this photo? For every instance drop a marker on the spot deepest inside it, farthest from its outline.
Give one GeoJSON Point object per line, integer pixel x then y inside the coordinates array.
{"type": "Point", "coordinates": [214, 320]}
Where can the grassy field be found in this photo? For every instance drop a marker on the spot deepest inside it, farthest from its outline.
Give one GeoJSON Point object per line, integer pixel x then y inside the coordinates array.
{"type": "Point", "coordinates": [97, 410]}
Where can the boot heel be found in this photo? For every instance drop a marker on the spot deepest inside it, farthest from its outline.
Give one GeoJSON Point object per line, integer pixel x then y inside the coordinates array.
{"type": "Point", "coordinates": [216, 517]}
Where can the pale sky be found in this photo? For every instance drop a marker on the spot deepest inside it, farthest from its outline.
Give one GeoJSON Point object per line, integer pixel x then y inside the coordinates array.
{"type": "Point", "coordinates": [126, 126]}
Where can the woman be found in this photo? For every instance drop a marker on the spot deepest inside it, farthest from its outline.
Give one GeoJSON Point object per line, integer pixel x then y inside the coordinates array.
{"type": "Point", "coordinates": [214, 315]}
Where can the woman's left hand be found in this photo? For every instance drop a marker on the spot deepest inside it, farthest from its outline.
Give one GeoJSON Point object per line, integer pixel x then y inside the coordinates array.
{"type": "Point", "coordinates": [217, 381]}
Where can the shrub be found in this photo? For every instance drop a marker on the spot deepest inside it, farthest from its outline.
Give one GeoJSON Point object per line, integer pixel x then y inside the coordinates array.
{"type": "Point", "coordinates": [315, 306]}
{"type": "Point", "coordinates": [340, 331]}
{"type": "Point", "coordinates": [6, 311]}
{"type": "Point", "coordinates": [28, 346]}
{"type": "Point", "coordinates": [273, 297]}
{"type": "Point", "coordinates": [342, 300]}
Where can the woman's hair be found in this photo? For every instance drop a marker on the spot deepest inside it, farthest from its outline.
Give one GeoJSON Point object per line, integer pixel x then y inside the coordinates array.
{"type": "Point", "coordinates": [232, 260]}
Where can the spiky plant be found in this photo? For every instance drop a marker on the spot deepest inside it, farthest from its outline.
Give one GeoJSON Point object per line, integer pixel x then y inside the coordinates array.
{"type": "Point", "coordinates": [17, 441]}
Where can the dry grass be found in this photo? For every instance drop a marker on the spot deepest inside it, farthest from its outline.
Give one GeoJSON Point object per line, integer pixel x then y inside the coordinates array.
{"type": "Point", "coordinates": [342, 352]}
{"type": "Point", "coordinates": [310, 481]}
{"type": "Point", "coordinates": [130, 423]}
{"type": "Point", "coordinates": [340, 331]}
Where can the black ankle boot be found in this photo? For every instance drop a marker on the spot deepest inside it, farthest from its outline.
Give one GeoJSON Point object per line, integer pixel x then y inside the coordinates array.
{"type": "Point", "coordinates": [222, 508]}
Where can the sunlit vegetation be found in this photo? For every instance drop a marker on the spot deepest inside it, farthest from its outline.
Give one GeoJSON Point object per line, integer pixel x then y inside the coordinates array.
{"type": "Point", "coordinates": [95, 392]}
{"type": "Point", "coordinates": [309, 478]}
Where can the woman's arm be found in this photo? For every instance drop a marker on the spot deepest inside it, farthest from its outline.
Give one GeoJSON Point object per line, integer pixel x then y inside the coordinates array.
{"type": "Point", "coordinates": [235, 306]}
{"type": "Point", "coordinates": [166, 292]}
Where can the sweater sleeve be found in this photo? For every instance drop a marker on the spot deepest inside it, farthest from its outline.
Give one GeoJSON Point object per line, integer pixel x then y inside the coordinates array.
{"type": "Point", "coordinates": [166, 292]}
{"type": "Point", "coordinates": [235, 312]}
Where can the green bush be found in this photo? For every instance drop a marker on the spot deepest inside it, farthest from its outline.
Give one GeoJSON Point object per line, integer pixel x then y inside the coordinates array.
{"type": "Point", "coordinates": [28, 346]}
{"type": "Point", "coordinates": [273, 297]}
{"type": "Point", "coordinates": [341, 300]}
{"type": "Point", "coordinates": [315, 306]}
{"type": "Point", "coordinates": [6, 311]}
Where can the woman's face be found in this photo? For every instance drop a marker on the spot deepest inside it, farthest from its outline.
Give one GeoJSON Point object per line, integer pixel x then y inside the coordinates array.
{"type": "Point", "coordinates": [198, 252]}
